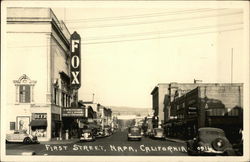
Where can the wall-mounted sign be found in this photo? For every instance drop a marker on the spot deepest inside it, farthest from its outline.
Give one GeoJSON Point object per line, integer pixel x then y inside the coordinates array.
{"type": "Point", "coordinates": [75, 61]}
{"type": "Point", "coordinates": [23, 123]}
{"type": "Point", "coordinates": [39, 116]}
{"type": "Point", "coordinates": [72, 112]}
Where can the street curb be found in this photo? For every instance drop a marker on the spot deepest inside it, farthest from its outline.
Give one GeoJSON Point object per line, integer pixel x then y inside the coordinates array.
{"type": "Point", "coordinates": [175, 140]}
{"type": "Point", "coordinates": [60, 142]}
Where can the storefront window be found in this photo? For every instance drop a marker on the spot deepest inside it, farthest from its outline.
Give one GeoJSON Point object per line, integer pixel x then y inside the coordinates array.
{"type": "Point", "coordinates": [39, 131]}
{"type": "Point", "coordinates": [39, 124]}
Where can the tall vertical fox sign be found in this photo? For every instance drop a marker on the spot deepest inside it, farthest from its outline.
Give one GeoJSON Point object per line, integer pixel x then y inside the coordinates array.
{"type": "Point", "coordinates": [75, 61]}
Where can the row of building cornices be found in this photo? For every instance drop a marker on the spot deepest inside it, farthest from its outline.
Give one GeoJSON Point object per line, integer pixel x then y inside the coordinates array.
{"type": "Point", "coordinates": [182, 108]}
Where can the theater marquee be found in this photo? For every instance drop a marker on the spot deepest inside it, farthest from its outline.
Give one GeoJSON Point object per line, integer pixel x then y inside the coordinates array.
{"type": "Point", "coordinates": [72, 112]}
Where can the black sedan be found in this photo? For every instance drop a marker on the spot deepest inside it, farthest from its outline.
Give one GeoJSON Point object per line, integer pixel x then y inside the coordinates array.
{"type": "Point", "coordinates": [210, 141]}
{"type": "Point", "coordinates": [134, 133]}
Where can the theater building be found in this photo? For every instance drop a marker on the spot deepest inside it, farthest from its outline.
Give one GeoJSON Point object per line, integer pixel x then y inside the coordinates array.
{"type": "Point", "coordinates": [38, 72]}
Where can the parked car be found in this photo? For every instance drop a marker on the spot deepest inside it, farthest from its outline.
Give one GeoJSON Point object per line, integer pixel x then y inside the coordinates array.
{"type": "Point", "coordinates": [158, 133]}
{"type": "Point", "coordinates": [148, 132]}
{"type": "Point", "coordinates": [238, 147]}
{"type": "Point", "coordinates": [210, 141]}
{"type": "Point", "coordinates": [87, 135]}
{"type": "Point", "coordinates": [107, 131]}
{"type": "Point", "coordinates": [100, 133]}
{"type": "Point", "coordinates": [134, 133]}
{"type": "Point", "coordinates": [21, 136]}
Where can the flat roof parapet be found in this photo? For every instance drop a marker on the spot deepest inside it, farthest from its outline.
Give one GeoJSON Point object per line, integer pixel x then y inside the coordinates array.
{"type": "Point", "coordinates": [36, 14]}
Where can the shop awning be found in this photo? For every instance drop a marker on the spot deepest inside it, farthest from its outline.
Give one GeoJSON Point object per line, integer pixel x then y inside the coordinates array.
{"type": "Point", "coordinates": [90, 125]}
{"type": "Point", "coordinates": [36, 123]}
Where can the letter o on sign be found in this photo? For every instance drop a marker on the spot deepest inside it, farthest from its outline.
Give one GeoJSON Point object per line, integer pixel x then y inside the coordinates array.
{"type": "Point", "coordinates": [75, 61]}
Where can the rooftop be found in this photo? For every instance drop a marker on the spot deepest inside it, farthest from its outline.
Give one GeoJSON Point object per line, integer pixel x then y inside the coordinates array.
{"type": "Point", "coordinates": [36, 15]}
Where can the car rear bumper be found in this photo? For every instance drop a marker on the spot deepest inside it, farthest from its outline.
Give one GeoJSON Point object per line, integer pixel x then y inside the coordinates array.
{"type": "Point", "coordinates": [131, 136]}
{"type": "Point", "coordinates": [86, 139]}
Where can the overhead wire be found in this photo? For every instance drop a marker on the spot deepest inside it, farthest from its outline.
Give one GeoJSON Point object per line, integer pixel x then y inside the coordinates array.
{"type": "Point", "coordinates": [140, 39]}
{"type": "Point", "coordinates": [161, 37]}
{"type": "Point", "coordinates": [157, 21]}
{"type": "Point", "coordinates": [162, 32]}
{"type": "Point", "coordinates": [141, 15]}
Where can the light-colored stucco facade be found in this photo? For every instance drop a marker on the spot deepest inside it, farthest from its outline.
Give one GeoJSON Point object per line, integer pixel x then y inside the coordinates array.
{"type": "Point", "coordinates": [37, 56]}
{"type": "Point", "coordinates": [158, 94]}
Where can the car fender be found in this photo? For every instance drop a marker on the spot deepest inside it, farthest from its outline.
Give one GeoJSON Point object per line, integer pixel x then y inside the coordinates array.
{"type": "Point", "coordinates": [190, 142]}
{"type": "Point", "coordinates": [229, 152]}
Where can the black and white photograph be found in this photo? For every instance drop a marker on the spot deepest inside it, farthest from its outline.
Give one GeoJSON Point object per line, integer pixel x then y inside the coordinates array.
{"type": "Point", "coordinates": [125, 81]}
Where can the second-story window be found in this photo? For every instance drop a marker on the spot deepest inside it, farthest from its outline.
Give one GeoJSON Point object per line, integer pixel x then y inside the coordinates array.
{"type": "Point", "coordinates": [24, 89]}
{"type": "Point", "coordinates": [24, 93]}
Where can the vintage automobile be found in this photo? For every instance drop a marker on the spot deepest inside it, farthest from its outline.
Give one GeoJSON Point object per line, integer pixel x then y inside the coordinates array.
{"type": "Point", "coordinates": [100, 133]}
{"type": "Point", "coordinates": [87, 135]}
{"type": "Point", "coordinates": [158, 133]}
{"type": "Point", "coordinates": [21, 136]}
{"type": "Point", "coordinates": [107, 131]}
{"type": "Point", "coordinates": [210, 141]}
{"type": "Point", "coordinates": [134, 133]}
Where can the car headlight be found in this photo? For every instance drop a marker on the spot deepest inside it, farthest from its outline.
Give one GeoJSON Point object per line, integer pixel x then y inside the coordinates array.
{"type": "Point", "coordinates": [219, 144]}
{"type": "Point", "coordinates": [201, 146]}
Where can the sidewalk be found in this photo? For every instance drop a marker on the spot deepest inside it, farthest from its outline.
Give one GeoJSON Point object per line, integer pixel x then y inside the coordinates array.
{"type": "Point", "coordinates": [64, 141]}
{"type": "Point", "coordinates": [175, 140]}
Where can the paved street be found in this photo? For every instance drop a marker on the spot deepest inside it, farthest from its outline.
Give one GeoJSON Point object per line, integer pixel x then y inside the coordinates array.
{"type": "Point", "coordinates": [116, 144]}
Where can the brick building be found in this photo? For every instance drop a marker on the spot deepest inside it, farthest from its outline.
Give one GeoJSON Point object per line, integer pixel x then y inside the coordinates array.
{"type": "Point", "coordinates": [213, 105]}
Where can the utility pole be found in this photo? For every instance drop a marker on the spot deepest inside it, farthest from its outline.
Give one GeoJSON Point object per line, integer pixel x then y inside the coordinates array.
{"type": "Point", "coordinates": [64, 14]}
{"type": "Point", "coordinates": [232, 54]}
{"type": "Point", "coordinates": [93, 97]}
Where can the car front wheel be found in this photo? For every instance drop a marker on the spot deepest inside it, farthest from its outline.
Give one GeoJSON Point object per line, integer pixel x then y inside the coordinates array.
{"type": "Point", "coordinates": [27, 140]}
{"type": "Point", "coordinates": [190, 151]}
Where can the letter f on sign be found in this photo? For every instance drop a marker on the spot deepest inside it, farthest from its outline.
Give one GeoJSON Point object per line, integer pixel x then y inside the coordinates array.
{"type": "Point", "coordinates": [74, 45]}
{"type": "Point", "coordinates": [75, 74]}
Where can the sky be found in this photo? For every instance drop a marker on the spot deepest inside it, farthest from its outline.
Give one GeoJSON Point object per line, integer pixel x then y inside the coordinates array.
{"type": "Point", "coordinates": [127, 51]}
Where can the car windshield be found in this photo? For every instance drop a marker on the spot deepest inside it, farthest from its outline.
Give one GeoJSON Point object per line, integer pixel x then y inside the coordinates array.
{"type": "Point", "coordinates": [158, 130]}
{"type": "Point", "coordinates": [133, 129]}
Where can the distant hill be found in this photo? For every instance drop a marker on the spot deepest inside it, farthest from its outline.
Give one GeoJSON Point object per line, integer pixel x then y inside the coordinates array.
{"type": "Point", "coordinates": [123, 110]}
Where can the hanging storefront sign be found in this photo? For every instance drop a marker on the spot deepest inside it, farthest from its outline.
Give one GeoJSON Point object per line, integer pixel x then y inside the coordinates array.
{"type": "Point", "coordinates": [75, 61]}
{"type": "Point", "coordinates": [72, 112]}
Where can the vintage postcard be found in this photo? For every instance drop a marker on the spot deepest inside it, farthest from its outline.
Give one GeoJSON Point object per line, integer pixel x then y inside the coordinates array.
{"type": "Point", "coordinates": [125, 81]}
